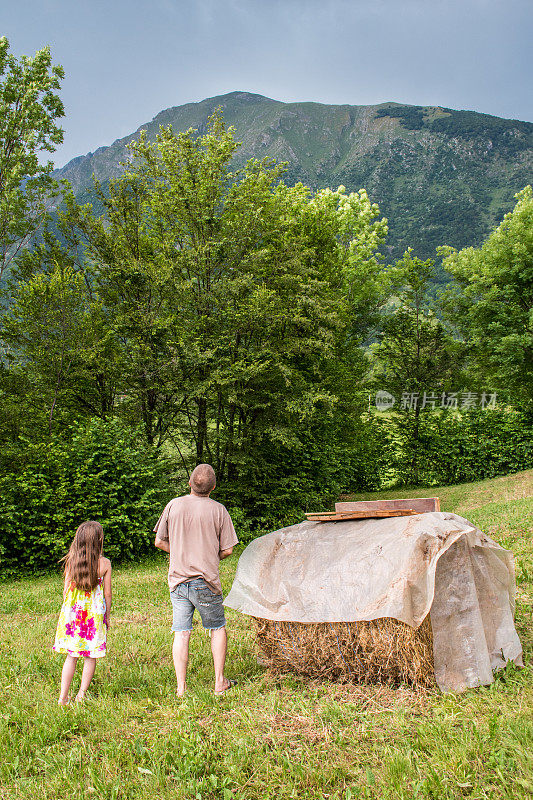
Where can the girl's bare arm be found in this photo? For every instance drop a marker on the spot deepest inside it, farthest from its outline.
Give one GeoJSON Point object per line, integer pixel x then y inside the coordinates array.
{"type": "Point", "coordinates": [65, 585]}
{"type": "Point", "coordinates": [106, 574]}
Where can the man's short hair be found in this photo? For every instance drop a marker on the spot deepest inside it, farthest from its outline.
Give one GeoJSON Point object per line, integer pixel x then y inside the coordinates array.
{"type": "Point", "coordinates": [203, 479]}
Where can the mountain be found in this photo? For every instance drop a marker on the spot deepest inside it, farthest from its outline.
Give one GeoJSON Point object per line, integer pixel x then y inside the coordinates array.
{"type": "Point", "coordinates": [440, 176]}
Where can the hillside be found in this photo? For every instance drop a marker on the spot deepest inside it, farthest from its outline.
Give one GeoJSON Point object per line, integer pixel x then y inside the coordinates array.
{"type": "Point", "coordinates": [440, 176]}
{"type": "Point", "coordinates": [272, 736]}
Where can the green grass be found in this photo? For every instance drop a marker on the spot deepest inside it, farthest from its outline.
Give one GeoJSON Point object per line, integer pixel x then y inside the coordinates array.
{"type": "Point", "coordinates": [270, 737]}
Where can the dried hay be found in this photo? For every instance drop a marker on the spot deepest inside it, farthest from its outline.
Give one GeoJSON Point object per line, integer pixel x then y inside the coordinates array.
{"type": "Point", "coordinates": [381, 651]}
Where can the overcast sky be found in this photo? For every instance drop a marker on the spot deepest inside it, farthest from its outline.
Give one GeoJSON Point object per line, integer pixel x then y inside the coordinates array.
{"type": "Point", "coordinates": [126, 60]}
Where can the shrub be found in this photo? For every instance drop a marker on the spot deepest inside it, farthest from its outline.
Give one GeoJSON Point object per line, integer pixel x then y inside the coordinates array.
{"type": "Point", "coordinates": [95, 470]}
{"type": "Point", "coordinates": [468, 446]}
{"type": "Point", "coordinates": [285, 481]}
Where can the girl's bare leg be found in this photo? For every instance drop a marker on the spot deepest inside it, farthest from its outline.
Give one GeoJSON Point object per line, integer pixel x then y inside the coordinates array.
{"type": "Point", "coordinates": [67, 673]}
{"type": "Point", "coordinates": [89, 665]}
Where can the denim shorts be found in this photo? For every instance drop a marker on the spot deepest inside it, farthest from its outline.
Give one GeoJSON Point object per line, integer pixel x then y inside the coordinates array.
{"type": "Point", "coordinates": [196, 594]}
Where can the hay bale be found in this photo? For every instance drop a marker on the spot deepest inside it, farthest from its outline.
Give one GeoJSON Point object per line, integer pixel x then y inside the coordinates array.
{"type": "Point", "coordinates": [381, 651]}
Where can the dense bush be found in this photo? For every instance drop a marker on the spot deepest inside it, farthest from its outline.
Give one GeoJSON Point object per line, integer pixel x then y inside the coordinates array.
{"type": "Point", "coordinates": [467, 446]}
{"type": "Point", "coordinates": [96, 470]}
{"type": "Point", "coordinates": [287, 481]}
{"type": "Point", "coordinates": [105, 471]}
{"type": "Point", "coordinates": [283, 482]}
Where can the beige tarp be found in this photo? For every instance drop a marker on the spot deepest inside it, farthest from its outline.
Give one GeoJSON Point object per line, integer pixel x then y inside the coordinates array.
{"type": "Point", "coordinates": [400, 567]}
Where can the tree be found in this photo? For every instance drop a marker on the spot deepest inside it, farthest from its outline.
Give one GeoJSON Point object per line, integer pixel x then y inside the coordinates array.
{"type": "Point", "coordinates": [214, 276]}
{"type": "Point", "coordinates": [491, 302]}
{"type": "Point", "coordinates": [60, 356]}
{"type": "Point", "coordinates": [416, 356]}
{"type": "Point", "coordinates": [48, 330]}
{"type": "Point", "coordinates": [29, 108]}
{"type": "Point", "coordinates": [236, 308]}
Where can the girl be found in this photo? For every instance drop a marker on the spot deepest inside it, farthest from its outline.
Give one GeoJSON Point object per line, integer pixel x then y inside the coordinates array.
{"type": "Point", "coordinates": [84, 615]}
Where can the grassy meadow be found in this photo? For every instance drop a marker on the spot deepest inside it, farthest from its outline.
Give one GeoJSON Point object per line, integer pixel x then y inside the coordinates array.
{"type": "Point", "coordinates": [270, 737]}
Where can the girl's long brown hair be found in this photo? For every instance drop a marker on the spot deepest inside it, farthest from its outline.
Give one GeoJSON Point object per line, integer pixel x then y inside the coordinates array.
{"type": "Point", "coordinates": [81, 561]}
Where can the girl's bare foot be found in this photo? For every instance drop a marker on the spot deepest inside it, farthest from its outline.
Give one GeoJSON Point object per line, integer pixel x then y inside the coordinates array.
{"type": "Point", "coordinates": [63, 702]}
{"type": "Point", "coordinates": [180, 691]}
{"type": "Point", "coordinates": [80, 697]}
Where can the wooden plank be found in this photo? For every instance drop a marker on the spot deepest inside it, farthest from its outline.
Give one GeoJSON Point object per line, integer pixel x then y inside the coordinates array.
{"type": "Point", "coordinates": [418, 504]}
{"type": "Point", "coordinates": [394, 512]}
{"type": "Point", "coordinates": [333, 516]}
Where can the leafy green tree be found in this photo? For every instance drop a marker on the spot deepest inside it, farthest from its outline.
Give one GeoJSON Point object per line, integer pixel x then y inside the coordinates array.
{"type": "Point", "coordinates": [416, 357]}
{"type": "Point", "coordinates": [46, 330]}
{"type": "Point", "coordinates": [60, 349]}
{"type": "Point", "coordinates": [29, 108]}
{"type": "Point", "coordinates": [234, 308]}
{"type": "Point", "coordinates": [231, 291]}
{"type": "Point", "coordinates": [126, 265]}
{"type": "Point", "coordinates": [491, 302]}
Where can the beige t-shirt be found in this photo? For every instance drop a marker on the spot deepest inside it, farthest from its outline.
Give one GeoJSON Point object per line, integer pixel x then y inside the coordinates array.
{"type": "Point", "coordinates": [197, 529]}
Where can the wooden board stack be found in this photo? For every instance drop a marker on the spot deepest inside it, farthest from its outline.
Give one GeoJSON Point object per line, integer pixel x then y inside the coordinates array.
{"type": "Point", "coordinates": [368, 509]}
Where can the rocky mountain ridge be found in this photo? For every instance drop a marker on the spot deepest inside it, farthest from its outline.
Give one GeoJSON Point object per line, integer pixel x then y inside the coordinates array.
{"type": "Point", "coordinates": [441, 176]}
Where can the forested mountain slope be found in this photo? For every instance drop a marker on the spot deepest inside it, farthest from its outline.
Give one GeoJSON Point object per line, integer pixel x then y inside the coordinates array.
{"type": "Point", "coordinates": [440, 176]}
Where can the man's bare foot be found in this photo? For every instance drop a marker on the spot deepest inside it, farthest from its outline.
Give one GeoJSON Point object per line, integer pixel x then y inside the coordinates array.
{"type": "Point", "coordinates": [224, 685]}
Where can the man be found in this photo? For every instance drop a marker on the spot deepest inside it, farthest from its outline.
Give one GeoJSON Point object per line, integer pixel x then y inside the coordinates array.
{"type": "Point", "coordinates": [197, 532]}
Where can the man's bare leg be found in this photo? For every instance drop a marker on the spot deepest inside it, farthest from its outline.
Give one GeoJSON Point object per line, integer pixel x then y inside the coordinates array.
{"type": "Point", "coordinates": [180, 656]}
{"type": "Point", "coordinates": [219, 646]}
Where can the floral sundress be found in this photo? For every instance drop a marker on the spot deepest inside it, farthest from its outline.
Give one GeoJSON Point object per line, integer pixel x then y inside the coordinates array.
{"type": "Point", "coordinates": [81, 629]}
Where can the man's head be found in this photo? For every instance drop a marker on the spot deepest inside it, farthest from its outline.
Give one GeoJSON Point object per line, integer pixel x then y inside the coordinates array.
{"type": "Point", "coordinates": [203, 480]}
